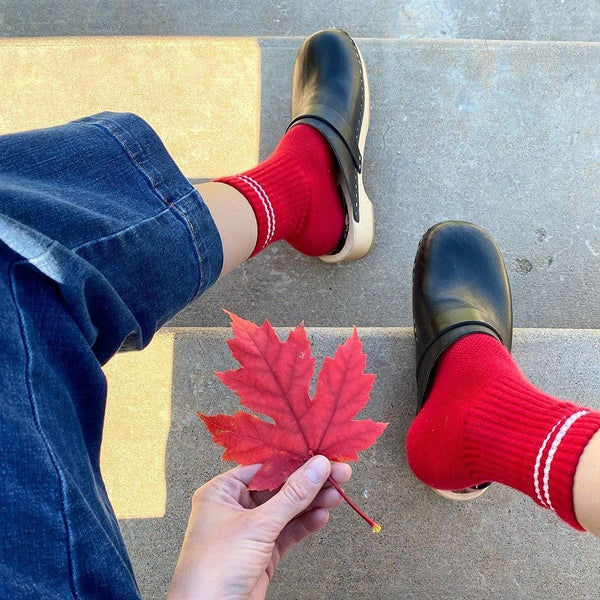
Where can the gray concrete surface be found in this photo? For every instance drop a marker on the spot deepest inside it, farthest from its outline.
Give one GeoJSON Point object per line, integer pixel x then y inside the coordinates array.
{"type": "Point", "coordinates": [503, 134]}
{"type": "Point", "coordinates": [501, 546]}
{"type": "Point", "coordinates": [480, 19]}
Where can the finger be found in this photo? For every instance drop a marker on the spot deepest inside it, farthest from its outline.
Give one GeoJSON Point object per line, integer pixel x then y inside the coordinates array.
{"type": "Point", "coordinates": [232, 484]}
{"type": "Point", "coordinates": [341, 472]}
{"type": "Point", "coordinates": [297, 492]}
{"type": "Point", "coordinates": [245, 473]}
{"type": "Point", "coordinates": [326, 498]}
{"type": "Point", "coordinates": [301, 528]}
{"type": "Point", "coordinates": [242, 474]}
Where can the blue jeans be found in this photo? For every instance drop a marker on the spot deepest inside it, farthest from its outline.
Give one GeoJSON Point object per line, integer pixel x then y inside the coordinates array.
{"type": "Point", "coordinates": [102, 240]}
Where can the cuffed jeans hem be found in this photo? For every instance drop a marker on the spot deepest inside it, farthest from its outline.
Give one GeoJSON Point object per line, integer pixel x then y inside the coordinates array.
{"type": "Point", "coordinates": [151, 157]}
{"type": "Point", "coordinates": [109, 211]}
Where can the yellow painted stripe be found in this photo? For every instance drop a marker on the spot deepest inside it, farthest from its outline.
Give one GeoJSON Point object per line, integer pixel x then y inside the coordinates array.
{"type": "Point", "coordinates": [201, 95]}
{"type": "Point", "coordinates": [136, 428]}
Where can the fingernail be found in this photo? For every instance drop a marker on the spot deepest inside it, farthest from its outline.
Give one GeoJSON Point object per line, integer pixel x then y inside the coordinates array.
{"type": "Point", "coordinates": [317, 469]}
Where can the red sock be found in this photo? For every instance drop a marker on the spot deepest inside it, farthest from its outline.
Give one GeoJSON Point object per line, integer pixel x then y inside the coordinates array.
{"type": "Point", "coordinates": [294, 194]}
{"type": "Point", "coordinates": [483, 421]}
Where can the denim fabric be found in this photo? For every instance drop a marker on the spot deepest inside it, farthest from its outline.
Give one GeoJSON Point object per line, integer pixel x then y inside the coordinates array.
{"type": "Point", "coordinates": [102, 240]}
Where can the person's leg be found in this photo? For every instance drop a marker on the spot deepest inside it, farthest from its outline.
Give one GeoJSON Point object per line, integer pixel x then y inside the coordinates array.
{"type": "Point", "coordinates": [58, 535]}
{"type": "Point", "coordinates": [483, 421]}
{"type": "Point", "coordinates": [310, 192]}
{"type": "Point", "coordinates": [480, 420]}
{"type": "Point", "coordinates": [291, 196]}
{"type": "Point", "coordinates": [294, 194]}
{"type": "Point", "coordinates": [234, 219]}
{"type": "Point", "coordinates": [102, 240]}
{"type": "Point", "coordinates": [586, 496]}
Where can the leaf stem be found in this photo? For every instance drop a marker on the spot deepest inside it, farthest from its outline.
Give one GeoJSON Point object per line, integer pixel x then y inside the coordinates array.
{"type": "Point", "coordinates": [375, 527]}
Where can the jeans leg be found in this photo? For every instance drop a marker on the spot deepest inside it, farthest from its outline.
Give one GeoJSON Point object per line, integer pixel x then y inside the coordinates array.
{"type": "Point", "coordinates": [101, 241]}
{"type": "Point", "coordinates": [103, 195]}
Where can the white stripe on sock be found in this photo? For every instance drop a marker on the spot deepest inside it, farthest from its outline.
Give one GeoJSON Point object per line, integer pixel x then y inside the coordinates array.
{"type": "Point", "coordinates": [555, 444]}
{"type": "Point", "coordinates": [538, 460]}
{"type": "Point", "coordinates": [266, 202]}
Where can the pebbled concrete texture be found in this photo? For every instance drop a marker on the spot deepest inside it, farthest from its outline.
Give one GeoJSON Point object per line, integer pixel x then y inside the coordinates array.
{"type": "Point", "coordinates": [481, 19]}
{"type": "Point", "coordinates": [503, 134]}
{"type": "Point", "coordinates": [501, 546]}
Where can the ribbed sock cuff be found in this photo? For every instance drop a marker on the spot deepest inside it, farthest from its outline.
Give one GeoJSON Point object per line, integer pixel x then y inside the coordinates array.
{"type": "Point", "coordinates": [277, 193]}
{"type": "Point", "coordinates": [523, 438]}
{"type": "Point", "coordinates": [561, 460]}
{"type": "Point", "coordinates": [294, 194]}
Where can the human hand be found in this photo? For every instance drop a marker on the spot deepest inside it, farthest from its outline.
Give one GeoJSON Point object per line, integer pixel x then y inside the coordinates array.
{"type": "Point", "coordinates": [236, 538]}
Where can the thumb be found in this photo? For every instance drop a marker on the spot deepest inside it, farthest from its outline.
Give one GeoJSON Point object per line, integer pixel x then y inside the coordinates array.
{"type": "Point", "coordinates": [298, 491]}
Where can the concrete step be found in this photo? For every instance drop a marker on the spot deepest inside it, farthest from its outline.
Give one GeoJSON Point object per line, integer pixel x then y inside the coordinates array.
{"type": "Point", "coordinates": [480, 19]}
{"type": "Point", "coordinates": [503, 134]}
{"type": "Point", "coordinates": [501, 546]}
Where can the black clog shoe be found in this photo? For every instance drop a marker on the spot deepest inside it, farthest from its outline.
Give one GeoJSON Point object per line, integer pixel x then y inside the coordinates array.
{"type": "Point", "coordinates": [330, 92]}
{"type": "Point", "coordinates": [460, 286]}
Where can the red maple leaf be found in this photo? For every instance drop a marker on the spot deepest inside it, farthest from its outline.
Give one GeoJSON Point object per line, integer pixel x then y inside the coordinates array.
{"type": "Point", "coordinates": [274, 380]}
